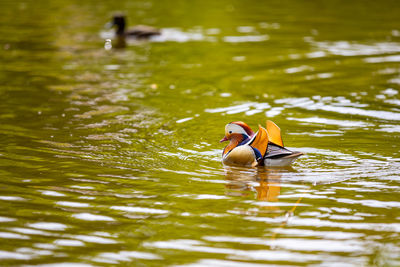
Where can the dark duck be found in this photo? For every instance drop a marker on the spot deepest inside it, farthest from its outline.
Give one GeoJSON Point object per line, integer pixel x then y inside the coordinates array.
{"type": "Point", "coordinates": [138, 32]}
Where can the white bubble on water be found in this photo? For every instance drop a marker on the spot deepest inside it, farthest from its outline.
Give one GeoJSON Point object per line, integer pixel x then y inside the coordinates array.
{"type": "Point", "coordinates": [108, 44]}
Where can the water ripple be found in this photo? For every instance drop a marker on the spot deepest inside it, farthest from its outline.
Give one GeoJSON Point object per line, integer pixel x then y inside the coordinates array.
{"type": "Point", "coordinates": [246, 38]}
{"type": "Point", "coordinates": [92, 239]}
{"type": "Point", "coordinates": [13, 255]}
{"type": "Point", "coordinates": [69, 243]}
{"type": "Point", "coordinates": [12, 236]}
{"type": "Point", "coordinates": [72, 204]}
{"type": "Point", "coordinates": [6, 219]}
{"type": "Point", "coordinates": [112, 257]}
{"type": "Point", "coordinates": [92, 217]}
{"type": "Point", "coordinates": [48, 226]}
{"type": "Point", "coordinates": [293, 244]}
{"type": "Point", "coordinates": [139, 210]}
{"type": "Point", "coordinates": [340, 123]}
{"type": "Point", "coordinates": [29, 231]}
{"type": "Point", "coordinates": [197, 246]}
{"type": "Point", "coordinates": [345, 48]}
{"type": "Point", "coordinates": [369, 202]}
{"type": "Point", "coordinates": [309, 104]}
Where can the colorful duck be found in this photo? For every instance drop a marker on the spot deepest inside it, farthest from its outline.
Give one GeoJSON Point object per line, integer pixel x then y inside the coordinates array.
{"type": "Point", "coordinates": [264, 148]}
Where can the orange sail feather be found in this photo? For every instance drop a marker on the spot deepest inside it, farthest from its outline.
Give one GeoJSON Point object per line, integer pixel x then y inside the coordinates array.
{"type": "Point", "coordinates": [274, 133]}
{"type": "Point", "coordinates": [260, 141]}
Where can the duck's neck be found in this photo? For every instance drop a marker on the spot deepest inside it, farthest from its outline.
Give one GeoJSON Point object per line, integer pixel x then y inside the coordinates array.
{"type": "Point", "coordinates": [235, 140]}
{"type": "Point", "coordinates": [121, 28]}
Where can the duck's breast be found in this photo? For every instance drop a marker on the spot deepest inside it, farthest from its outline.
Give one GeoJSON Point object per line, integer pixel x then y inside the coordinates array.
{"type": "Point", "coordinates": [241, 155]}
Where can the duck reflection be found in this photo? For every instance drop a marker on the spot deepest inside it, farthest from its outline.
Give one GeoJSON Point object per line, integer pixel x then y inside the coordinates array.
{"type": "Point", "coordinates": [119, 42]}
{"type": "Point", "coordinates": [266, 183]}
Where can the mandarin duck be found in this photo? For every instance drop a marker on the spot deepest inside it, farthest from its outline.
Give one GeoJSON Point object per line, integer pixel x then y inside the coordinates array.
{"type": "Point", "coordinates": [139, 31]}
{"type": "Point", "coordinates": [264, 148]}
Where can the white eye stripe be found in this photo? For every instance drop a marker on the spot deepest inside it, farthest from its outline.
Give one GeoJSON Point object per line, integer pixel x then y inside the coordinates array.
{"type": "Point", "coordinates": [234, 128]}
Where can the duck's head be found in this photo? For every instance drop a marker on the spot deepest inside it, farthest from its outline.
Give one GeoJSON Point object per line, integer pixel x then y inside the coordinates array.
{"type": "Point", "coordinates": [119, 21]}
{"type": "Point", "coordinates": [237, 128]}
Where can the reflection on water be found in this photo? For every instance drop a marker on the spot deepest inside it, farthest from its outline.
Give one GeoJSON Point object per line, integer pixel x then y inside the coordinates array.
{"type": "Point", "coordinates": [266, 182]}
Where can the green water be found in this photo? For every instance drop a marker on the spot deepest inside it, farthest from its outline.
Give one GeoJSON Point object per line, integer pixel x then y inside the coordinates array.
{"type": "Point", "coordinates": [111, 157]}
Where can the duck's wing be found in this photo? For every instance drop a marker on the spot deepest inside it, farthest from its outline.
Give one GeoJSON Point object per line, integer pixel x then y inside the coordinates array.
{"type": "Point", "coordinates": [275, 151]}
{"type": "Point", "coordinates": [282, 160]}
{"type": "Point", "coordinates": [274, 133]}
{"type": "Point", "coordinates": [260, 141]}
{"type": "Point", "coordinates": [143, 31]}
{"type": "Point", "coordinates": [279, 156]}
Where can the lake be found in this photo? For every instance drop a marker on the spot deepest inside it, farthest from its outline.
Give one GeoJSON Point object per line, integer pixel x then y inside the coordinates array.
{"type": "Point", "coordinates": [111, 156]}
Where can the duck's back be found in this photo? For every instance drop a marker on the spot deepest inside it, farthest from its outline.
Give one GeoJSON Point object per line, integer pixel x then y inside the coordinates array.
{"type": "Point", "coordinates": [143, 31]}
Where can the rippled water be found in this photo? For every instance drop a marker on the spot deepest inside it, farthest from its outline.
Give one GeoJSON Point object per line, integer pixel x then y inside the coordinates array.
{"type": "Point", "coordinates": [111, 156]}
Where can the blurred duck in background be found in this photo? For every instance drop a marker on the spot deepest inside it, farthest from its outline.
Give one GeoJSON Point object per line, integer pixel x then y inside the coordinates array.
{"type": "Point", "coordinates": [139, 32]}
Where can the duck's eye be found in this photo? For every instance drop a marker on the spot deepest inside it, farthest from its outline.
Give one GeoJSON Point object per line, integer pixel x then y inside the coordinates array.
{"type": "Point", "coordinates": [230, 132]}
